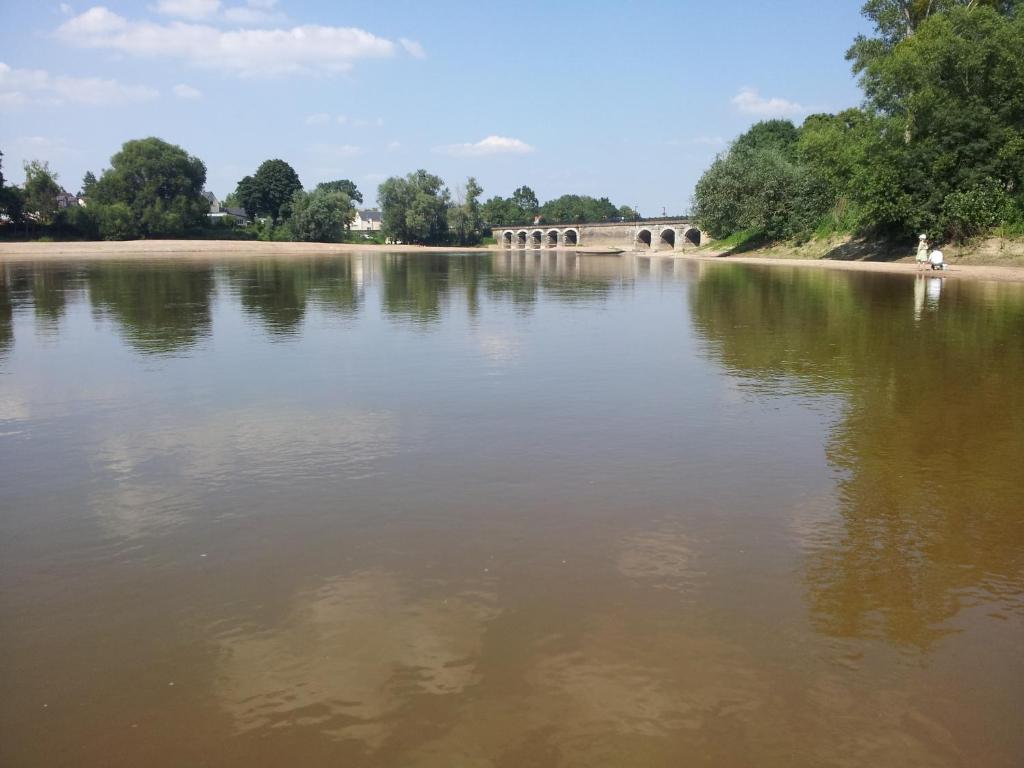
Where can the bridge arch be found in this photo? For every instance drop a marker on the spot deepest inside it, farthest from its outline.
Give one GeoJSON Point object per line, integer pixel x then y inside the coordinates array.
{"type": "Point", "coordinates": [536, 238]}
{"type": "Point", "coordinates": [643, 238]}
{"type": "Point", "coordinates": [667, 239]}
{"type": "Point", "coordinates": [551, 239]}
{"type": "Point", "coordinates": [521, 238]}
{"type": "Point", "coordinates": [506, 238]}
{"type": "Point", "coordinates": [571, 238]}
{"type": "Point", "coordinates": [691, 236]}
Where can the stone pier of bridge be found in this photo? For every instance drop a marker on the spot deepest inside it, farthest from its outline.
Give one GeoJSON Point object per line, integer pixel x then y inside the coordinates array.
{"type": "Point", "coordinates": [651, 235]}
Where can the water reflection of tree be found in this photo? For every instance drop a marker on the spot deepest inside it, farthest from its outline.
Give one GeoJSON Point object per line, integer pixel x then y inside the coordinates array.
{"type": "Point", "coordinates": [161, 308]}
{"type": "Point", "coordinates": [6, 315]}
{"type": "Point", "coordinates": [279, 292]}
{"type": "Point", "coordinates": [930, 443]}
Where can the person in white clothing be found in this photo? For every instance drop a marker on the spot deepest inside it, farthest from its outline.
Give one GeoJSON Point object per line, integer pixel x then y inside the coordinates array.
{"type": "Point", "coordinates": [935, 259]}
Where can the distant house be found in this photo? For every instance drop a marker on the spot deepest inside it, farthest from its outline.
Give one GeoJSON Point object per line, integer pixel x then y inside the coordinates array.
{"type": "Point", "coordinates": [213, 201]}
{"type": "Point", "coordinates": [366, 221]}
{"type": "Point", "coordinates": [238, 215]}
{"type": "Point", "coordinates": [67, 200]}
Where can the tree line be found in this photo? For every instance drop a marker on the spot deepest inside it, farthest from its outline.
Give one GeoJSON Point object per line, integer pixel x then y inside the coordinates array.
{"type": "Point", "coordinates": [937, 146]}
{"type": "Point", "coordinates": [154, 189]}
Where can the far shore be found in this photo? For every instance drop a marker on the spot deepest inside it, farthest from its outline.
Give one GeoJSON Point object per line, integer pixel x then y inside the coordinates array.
{"type": "Point", "coordinates": [206, 249]}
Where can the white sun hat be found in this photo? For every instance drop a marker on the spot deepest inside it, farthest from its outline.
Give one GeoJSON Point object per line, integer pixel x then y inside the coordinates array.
{"type": "Point", "coordinates": [922, 237]}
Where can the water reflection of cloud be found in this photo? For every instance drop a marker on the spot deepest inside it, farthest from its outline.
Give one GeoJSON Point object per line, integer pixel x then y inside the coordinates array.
{"type": "Point", "coordinates": [157, 477]}
{"type": "Point", "coordinates": [351, 653]}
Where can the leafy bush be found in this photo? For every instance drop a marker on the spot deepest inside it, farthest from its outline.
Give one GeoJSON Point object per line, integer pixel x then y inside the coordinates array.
{"type": "Point", "coordinates": [974, 211]}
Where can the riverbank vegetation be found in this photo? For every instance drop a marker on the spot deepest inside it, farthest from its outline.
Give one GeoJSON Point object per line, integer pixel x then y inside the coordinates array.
{"type": "Point", "coordinates": [156, 190]}
{"type": "Point", "coordinates": [937, 147]}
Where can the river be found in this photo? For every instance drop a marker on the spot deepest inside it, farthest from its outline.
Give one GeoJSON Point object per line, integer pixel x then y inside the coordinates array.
{"type": "Point", "coordinates": [508, 510]}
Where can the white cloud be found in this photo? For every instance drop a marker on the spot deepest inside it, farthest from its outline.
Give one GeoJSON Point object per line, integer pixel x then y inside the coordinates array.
{"type": "Point", "coordinates": [413, 48]}
{"type": "Point", "coordinates": [188, 9]}
{"type": "Point", "coordinates": [66, 9]}
{"type": "Point", "coordinates": [183, 91]}
{"type": "Point", "coordinates": [320, 118]}
{"type": "Point", "coordinates": [492, 145]}
{"type": "Point", "coordinates": [750, 102]}
{"type": "Point", "coordinates": [20, 87]}
{"type": "Point", "coordinates": [304, 49]}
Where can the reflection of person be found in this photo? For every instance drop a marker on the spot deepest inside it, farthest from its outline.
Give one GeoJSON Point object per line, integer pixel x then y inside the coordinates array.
{"type": "Point", "coordinates": [922, 251]}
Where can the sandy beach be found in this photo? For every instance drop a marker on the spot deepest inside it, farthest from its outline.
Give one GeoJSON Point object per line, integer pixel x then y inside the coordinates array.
{"type": "Point", "coordinates": [204, 249]}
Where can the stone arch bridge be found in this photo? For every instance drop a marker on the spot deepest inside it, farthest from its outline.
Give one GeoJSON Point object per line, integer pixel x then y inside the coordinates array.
{"type": "Point", "coordinates": [651, 235]}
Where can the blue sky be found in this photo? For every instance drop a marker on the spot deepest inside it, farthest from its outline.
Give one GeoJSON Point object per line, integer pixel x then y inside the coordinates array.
{"type": "Point", "coordinates": [630, 100]}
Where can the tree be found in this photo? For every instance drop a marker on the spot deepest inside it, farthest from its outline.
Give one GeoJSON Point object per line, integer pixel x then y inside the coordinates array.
{"type": "Point", "coordinates": [761, 186]}
{"type": "Point", "coordinates": [152, 188]}
{"type": "Point", "coordinates": [12, 200]}
{"type": "Point", "coordinates": [499, 212]}
{"type": "Point", "coordinates": [41, 190]}
{"type": "Point", "coordinates": [576, 209]}
{"type": "Point", "coordinates": [526, 203]}
{"type": "Point", "coordinates": [628, 213]}
{"type": "Point", "coordinates": [780, 135]}
{"type": "Point", "coordinates": [247, 196]}
{"type": "Point", "coordinates": [271, 190]}
{"type": "Point", "coordinates": [951, 104]}
{"type": "Point", "coordinates": [320, 216]}
{"type": "Point", "coordinates": [464, 218]}
{"type": "Point", "coordinates": [521, 208]}
{"type": "Point", "coordinates": [414, 208]}
{"type": "Point", "coordinates": [88, 184]}
{"type": "Point", "coordinates": [898, 20]}
{"type": "Point", "coordinates": [345, 186]}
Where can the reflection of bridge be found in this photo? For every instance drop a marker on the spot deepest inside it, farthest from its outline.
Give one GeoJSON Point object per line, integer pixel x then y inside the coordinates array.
{"type": "Point", "coordinates": [655, 235]}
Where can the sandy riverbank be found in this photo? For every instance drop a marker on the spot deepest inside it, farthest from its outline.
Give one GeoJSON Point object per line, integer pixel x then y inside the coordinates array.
{"type": "Point", "coordinates": [205, 249]}
{"type": "Point", "coordinates": [99, 250]}
{"type": "Point", "coordinates": [963, 271]}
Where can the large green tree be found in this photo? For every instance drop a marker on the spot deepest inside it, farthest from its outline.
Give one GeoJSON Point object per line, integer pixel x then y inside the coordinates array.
{"type": "Point", "coordinates": [346, 186]}
{"type": "Point", "coordinates": [41, 190]}
{"type": "Point", "coordinates": [152, 188]}
{"type": "Point", "coordinates": [320, 216]}
{"type": "Point", "coordinates": [576, 209]}
{"type": "Point", "coordinates": [520, 208]}
{"type": "Point", "coordinates": [270, 190]}
{"type": "Point", "coordinates": [414, 208]}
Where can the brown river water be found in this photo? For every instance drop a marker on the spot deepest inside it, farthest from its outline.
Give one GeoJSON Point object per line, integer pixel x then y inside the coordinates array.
{"type": "Point", "coordinates": [524, 509]}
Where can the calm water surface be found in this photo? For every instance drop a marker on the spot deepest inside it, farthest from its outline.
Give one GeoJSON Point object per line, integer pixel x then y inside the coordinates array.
{"type": "Point", "coordinates": [510, 510]}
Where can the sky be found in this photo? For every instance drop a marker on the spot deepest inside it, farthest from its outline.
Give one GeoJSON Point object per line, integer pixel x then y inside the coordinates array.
{"type": "Point", "coordinates": [627, 100]}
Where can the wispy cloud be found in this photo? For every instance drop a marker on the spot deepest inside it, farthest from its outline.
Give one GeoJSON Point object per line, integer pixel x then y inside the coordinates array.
{"type": "Point", "coordinates": [413, 48]}
{"type": "Point", "coordinates": [492, 145]}
{"type": "Point", "coordinates": [22, 87]}
{"type": "Point", "coordinates": [749, 101]}
{"type": "Point", "coordinates": [183, 91]}
{"type": "Point", "coordinates": [308, 49]}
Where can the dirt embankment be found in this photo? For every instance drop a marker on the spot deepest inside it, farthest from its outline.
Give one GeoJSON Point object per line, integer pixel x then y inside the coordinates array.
{"type": "Point", "coordinates": [992, 251]}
